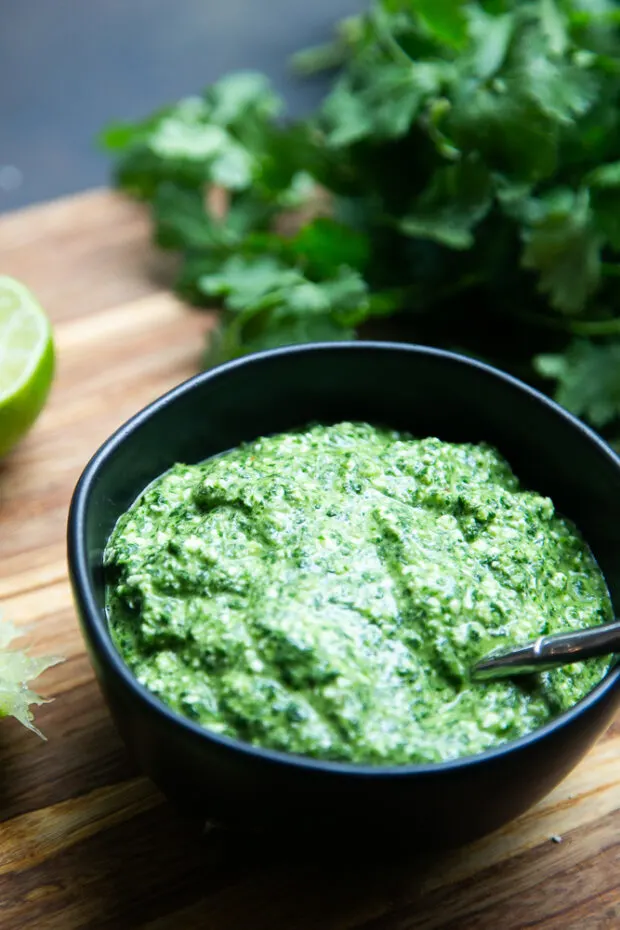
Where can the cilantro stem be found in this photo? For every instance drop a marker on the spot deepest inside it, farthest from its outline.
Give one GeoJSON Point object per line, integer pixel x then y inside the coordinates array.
{"type": "Point", "coordinates": [386, 38]}
{"type": "Point", "coordinates": [610, 271]}
{"type": "Point", "coordinates": [596, 327]}
{"type": "Point", "coordinates": [609, 327]}
{"type": "Point", "coordinates": [319, 58]}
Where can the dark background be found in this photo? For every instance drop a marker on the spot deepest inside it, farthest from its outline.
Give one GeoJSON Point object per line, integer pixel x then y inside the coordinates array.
{"type": "Point", "coordinates": [67, 67]}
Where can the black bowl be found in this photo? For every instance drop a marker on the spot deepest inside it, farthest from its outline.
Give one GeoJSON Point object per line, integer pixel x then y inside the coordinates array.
{"type": "Point", "coordinates": [422, 390]}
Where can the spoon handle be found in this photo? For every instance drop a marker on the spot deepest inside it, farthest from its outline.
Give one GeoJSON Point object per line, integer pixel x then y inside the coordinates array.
{"type": "Point", "coordinates": [548, 652]}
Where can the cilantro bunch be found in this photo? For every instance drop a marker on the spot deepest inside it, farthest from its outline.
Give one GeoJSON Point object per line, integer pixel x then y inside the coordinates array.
{"type": "Point", "coordinates": [462, 176]}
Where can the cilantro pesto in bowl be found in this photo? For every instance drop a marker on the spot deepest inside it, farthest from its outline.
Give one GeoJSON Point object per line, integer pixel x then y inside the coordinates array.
{"type": "Point", "coordinates": [326, 592]}
{"type": "Point", "coordinates": [283, 626]}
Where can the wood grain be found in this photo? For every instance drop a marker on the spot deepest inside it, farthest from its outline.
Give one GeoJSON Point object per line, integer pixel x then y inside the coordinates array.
{"type": "Point", "coordinates": [85, 842]}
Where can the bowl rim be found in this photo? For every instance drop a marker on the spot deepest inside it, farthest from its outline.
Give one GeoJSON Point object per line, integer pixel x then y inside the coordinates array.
{"type": "Point", "coordinates": [94, 619]}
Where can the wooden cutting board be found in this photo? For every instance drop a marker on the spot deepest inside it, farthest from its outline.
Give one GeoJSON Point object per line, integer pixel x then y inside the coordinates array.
{"type": "Point", "coordinates": [85, 842]}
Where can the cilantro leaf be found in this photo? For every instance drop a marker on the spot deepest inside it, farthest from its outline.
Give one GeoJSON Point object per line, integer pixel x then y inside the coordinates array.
{"type": "Point", "coordinates": [182, 221]}
{"type": "Point", "coordinates": [445, 20]}
{"type": "Point", "coordinates": [456, 200]}
{"type": "Point", "coordinates": [238, 98]}
{"type": "Point", "coordinates": [219, 137]}
{"type": "Point", "coordinates": [324, 245]}
{"type": "Point", "coordinates": [509, 131]}
{"type": "Point", "coordinates": [588, 379]}
{"type": "Point", "coordinates": [381, 101]}
{"type": "Point", "coordinates": [490, 38]}
{"type": "Point", "coordinates": [554, 27]}
{"type": "Point", "coordinates": [187, 136]}
{"type": "Point", "coordinates": [270, 304]}
{"type": "Point", "coordinates": [270, 329]}
{"type": "Point", "coordinates": [563, 245]}
{"type": "Point", "coordinates": [245, 282]}
{"type": "Point", "coordinates": [604, 184]}
{"type": "Point", "coordinates": [561, 88]}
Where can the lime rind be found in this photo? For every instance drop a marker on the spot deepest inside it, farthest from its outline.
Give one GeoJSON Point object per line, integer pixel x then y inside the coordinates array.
{"type": "Point", "coordinates": [27, 361]}
{"type": "Point", "coordinates": [25, 333]}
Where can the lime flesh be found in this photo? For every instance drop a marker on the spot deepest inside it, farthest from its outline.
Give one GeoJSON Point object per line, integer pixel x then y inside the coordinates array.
{"type": "Point", "coordinates": [26, 361]}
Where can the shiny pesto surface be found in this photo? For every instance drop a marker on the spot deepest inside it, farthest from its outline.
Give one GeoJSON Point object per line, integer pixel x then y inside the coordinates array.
{"type": "Point", "coordinates": [326, 591]}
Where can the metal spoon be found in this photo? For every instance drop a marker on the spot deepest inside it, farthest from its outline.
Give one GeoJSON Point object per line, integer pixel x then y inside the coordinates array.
{"type": "Point", "coordinates": [548, 652]}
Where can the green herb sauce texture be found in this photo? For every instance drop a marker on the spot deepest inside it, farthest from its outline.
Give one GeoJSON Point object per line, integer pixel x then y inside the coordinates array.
{"type": "Point", "coordinates": [325, 592]}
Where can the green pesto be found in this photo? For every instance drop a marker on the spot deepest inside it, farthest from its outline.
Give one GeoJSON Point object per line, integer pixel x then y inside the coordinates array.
{"type": "Point", "coordinates": [326, 591]}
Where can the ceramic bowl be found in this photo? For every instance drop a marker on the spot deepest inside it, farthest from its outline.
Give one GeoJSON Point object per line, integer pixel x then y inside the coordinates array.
{"type": "Point", "coordinates": [423, 391]}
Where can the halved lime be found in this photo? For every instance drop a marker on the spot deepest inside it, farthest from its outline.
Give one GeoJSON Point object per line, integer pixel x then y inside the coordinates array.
{"type": "Point", "coordinates": [26, 361]}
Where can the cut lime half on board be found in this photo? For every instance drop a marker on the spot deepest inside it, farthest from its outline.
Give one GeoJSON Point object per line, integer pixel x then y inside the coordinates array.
{"type": "Point", "coordinates": [26, 361]}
